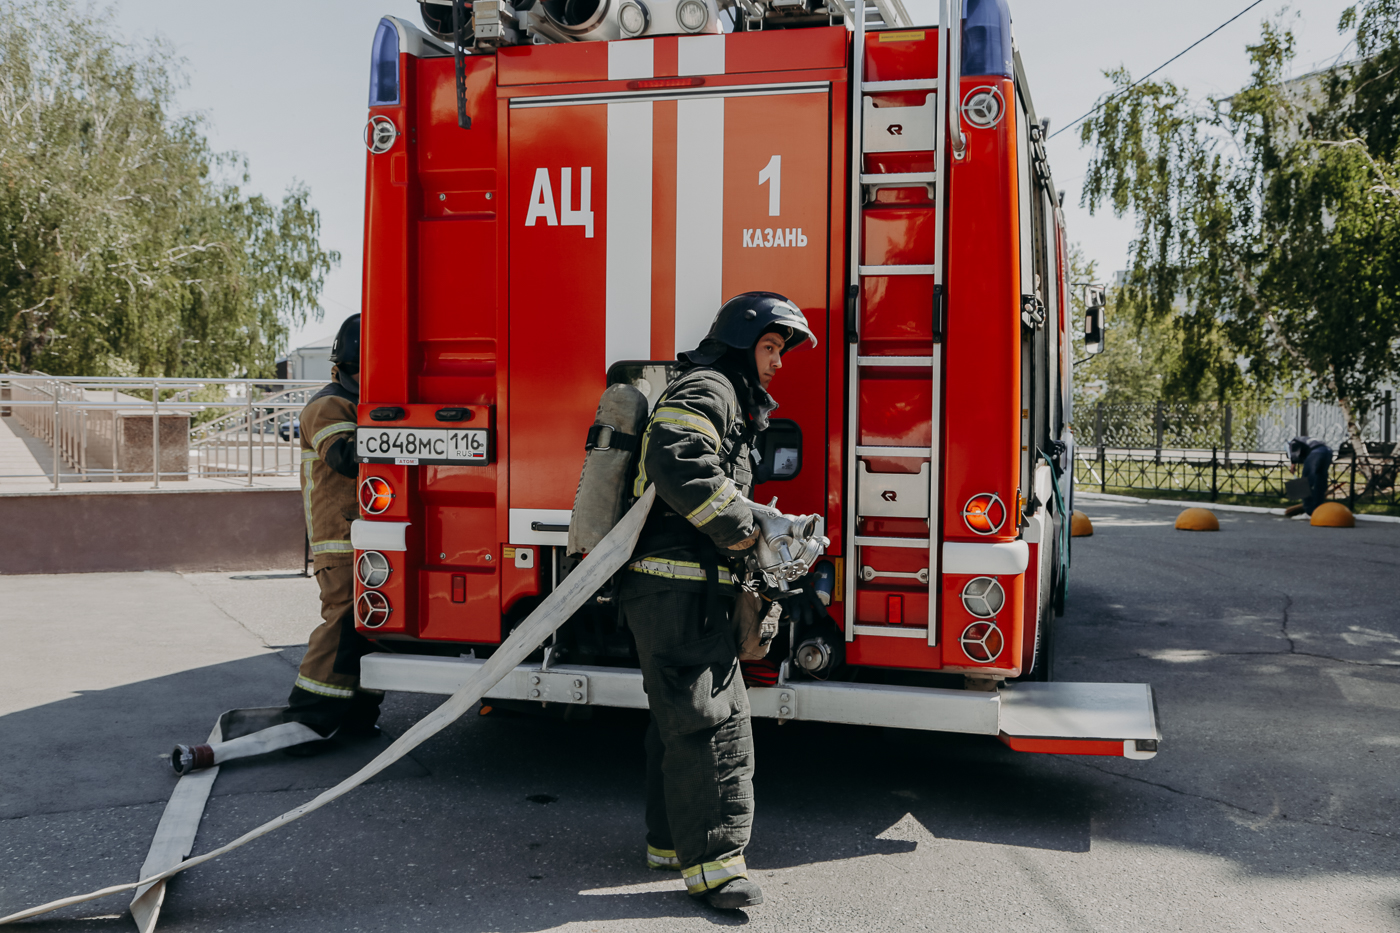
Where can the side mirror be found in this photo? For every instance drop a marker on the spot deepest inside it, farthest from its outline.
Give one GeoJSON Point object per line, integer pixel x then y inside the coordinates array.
{"type": "Point", "coordinates": [1093, 320]}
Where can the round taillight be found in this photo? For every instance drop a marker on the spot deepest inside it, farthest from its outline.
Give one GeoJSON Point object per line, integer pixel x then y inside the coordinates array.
{"type": "Point", "coordinates": [983, 597]}
{"type": "Point", "coordinates": [372, 609]}
{"type": "Point", "coordinates": [983, 106]}
{"type": "Point", "coordinates": [984, 513]}
{"type": "Point", "coordinates": [376, 495]}
{"type": "Point", "coordinates": [380, 133]}
{"type": "Point", "coordinates": [373, 569]}
{"type": "Point", "coordinates": [980, 641]}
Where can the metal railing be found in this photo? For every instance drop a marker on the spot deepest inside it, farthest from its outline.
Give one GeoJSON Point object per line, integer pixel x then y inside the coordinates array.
{"type": "Point", "coordinates": [114, 428]}
{"type": "Point", "coordinates": [1253, 427]}
{"type": "Point", "coordinates": [1235, 450]}
{"type": "Point", "coordinates": [1367, 480]}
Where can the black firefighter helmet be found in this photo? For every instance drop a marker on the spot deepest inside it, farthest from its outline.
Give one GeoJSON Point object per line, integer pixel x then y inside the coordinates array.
{"type": "Point", "coordinates": [745, 318]}
{"type": "Point", "coordinates": [345, 351]}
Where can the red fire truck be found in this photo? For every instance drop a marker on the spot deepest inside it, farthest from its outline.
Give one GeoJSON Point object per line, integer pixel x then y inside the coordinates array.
{"type": "Point", "coordinates": [560, 196]}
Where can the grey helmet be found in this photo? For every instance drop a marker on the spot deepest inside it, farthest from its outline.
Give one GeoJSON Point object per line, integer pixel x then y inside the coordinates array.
{"type": "Point", "coordinates": [745, 318]}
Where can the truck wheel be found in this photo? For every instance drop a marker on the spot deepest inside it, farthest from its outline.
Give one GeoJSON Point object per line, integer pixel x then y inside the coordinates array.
{"type": "Point", "coordinates": [1044, 670]}
{"type": "Point", "coordinates": [1043, 667]}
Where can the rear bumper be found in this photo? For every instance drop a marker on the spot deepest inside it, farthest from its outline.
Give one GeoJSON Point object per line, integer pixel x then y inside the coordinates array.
{"type": "Point", "coordinates": [1057, 718]}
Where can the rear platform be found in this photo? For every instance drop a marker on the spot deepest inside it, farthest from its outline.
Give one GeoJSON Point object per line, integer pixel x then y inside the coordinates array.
{"type": "Point", "coordinates": [1059, 718]}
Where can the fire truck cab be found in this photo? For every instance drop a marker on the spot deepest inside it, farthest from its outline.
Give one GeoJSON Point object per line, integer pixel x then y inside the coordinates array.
{"type": "Point", "coordinates": [560, 196]}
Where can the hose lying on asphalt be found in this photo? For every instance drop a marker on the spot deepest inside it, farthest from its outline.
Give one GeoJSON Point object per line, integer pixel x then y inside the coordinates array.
{"type": "Point", "coordinates": [606, 559]}
{"type": "Point", "coordinates": [186, 759]}
{"type": "Point", "coordinates": [238, 733]}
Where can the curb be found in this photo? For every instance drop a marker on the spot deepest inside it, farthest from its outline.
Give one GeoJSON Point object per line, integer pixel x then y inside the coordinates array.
{"type": "Point", "coordinates": [1182, 503]}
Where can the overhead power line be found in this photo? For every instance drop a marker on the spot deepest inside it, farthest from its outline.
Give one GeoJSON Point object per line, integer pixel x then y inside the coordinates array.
{"type": "Point", "coordinates": [1164, 64]}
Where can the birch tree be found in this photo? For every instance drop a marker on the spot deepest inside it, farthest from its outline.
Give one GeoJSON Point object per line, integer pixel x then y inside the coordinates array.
{"type": "Point", "coordinates": [1267, 222]}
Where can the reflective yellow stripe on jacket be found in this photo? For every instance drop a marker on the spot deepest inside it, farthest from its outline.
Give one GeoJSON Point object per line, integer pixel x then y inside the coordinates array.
{"type": "Point", "coordinates": [688, 419]}
{"type": "Point", "coordinates": [308, 483]}
{"type": "Point", "coordinates": [668, 415]}
{"type": "Point", "coordinates": [339, 427]}
{"type": "Point", "coordinates": [712, 506]}
{"type": "Point", "coordinates": [308, 457]}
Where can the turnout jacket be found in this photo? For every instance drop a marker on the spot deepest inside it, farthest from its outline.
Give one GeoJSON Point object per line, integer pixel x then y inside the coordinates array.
{"type": "Point", "coordinates": [327, 491]}
{"type": "Point", "coordinates": [696, 450]}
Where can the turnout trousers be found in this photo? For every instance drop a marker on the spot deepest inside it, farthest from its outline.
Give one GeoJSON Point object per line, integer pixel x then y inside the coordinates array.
{"type": "Point", "coordinates": [699, 744]}
{"type": "Point", "coordinates": [327, 692]}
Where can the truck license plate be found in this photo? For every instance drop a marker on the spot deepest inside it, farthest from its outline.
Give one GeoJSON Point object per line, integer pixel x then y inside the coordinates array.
{"type": "Point", "coordinates": [414, 446]}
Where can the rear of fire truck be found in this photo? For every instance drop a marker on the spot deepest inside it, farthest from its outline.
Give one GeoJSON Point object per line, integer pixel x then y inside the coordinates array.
{"type": "Point", "coordinates": [560, 196]}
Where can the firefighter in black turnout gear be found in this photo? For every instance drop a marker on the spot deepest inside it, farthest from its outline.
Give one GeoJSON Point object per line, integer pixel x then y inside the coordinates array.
{"type": "Point", "coordinates": [678, 592]}
{"type": "Point", "coordinates": [327, 696]}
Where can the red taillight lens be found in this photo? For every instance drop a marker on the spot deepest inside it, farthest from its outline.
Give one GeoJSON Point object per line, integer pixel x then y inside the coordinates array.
{"type": "Point", "coordinates": [985, 513]}
{"type": "Point", "coordinates": [372, 609]}
{"type": "Point", "coordinates": [376, 495]}
{"type": "Point", "coordinates": [981, 641]}
{"type": "Point", "coordinates": [664, 82]}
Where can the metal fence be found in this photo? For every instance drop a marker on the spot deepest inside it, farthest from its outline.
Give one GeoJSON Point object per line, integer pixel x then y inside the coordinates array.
{"type": "Point", "coordinates": [1255, 427]}
{"type": "Point", "coordinates": [105, 429]}
{"type": "Point", "coordinates": [1211, 451]}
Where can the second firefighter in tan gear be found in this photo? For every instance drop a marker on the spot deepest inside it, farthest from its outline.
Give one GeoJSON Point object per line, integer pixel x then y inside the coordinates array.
{"type": "Point", "coordinates": [678, 594]}
{"type": "Point", "coordinates": [327, 694]}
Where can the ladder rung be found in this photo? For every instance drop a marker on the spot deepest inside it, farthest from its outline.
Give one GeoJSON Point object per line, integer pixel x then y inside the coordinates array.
{"type": "Point", "coordinates": [895, 361]}
{"type": "Point", "coordinates": [891, 631]}
{"type": "Point", "coordinates": [893, 452]}
{"type": "Point", "coordinates": [871, 541]}
{"type": "Point", "coordinates": [915, 84]}
{"type": "Point", "coordinates": [900, 178]}
{"type": "Point", "coordinates": [896, 270]}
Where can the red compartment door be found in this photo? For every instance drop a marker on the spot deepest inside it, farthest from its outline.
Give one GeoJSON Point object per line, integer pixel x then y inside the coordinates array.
{"type": "Point", "coordinates": [631, 220]}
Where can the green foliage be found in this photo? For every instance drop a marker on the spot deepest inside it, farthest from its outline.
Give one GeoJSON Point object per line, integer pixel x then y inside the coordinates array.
{"type": "Point", "coordinates": [1140, 352]}
{"type": "Point", "coordinates": [127, 247]}
{"type": "Point", "coordinates": [1268, 222]}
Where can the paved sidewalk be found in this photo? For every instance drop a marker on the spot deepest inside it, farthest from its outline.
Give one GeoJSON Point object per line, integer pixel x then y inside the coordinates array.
{"type": "Point", "coordinates": [19, 467]}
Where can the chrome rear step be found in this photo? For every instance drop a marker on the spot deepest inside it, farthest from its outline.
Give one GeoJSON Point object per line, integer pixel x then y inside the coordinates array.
{"type": "Point", "coordinates": [1059, 718]}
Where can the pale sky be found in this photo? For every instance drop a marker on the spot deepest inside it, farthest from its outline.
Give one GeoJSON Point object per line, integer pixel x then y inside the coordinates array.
{"type": "Point", "coordinates": [286, 83]}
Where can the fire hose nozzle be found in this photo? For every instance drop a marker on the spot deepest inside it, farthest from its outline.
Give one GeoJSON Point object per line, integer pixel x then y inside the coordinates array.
{"type": "Point", "coordinates": [187, 758]}
{"type": "Point", "coordinates": [787, 546]}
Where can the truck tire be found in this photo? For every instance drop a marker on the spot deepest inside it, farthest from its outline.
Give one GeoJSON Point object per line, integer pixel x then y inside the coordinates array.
{"type": "Point", "coordinates": [1043, 666]}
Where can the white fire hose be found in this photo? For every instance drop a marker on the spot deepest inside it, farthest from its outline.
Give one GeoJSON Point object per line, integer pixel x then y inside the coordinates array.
{"type": "Point", "coordinates": [175, 834]}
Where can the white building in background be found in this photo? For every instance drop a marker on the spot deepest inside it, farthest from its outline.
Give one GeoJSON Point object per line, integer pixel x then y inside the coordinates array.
{"type": "Point", "coordinates": [312, 361]}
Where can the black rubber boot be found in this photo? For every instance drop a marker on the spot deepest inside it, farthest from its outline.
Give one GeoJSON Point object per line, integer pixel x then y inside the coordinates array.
{"type": "Point", "coordinates": [352, 729]}
{"type": "Point", "coordinates": [741, 892]}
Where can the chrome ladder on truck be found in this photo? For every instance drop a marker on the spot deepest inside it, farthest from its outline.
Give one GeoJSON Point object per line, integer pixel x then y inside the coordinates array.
{"type": "Point", "coordinates": [876, 130]}
{"type": "Point", "coordinates": [877, 12]}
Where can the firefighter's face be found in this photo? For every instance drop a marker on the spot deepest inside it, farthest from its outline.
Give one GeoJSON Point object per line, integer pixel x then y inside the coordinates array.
{"type": "Point", "coordinates": [768, 356]}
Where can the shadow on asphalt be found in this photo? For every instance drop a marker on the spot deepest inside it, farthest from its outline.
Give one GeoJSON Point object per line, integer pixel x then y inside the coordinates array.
{"type": "Point", "coordinates": [110, 748]}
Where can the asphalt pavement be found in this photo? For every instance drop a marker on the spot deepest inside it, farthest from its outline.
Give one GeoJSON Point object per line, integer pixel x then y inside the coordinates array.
{"type": "Point", "coordinates": [1273, 648]}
